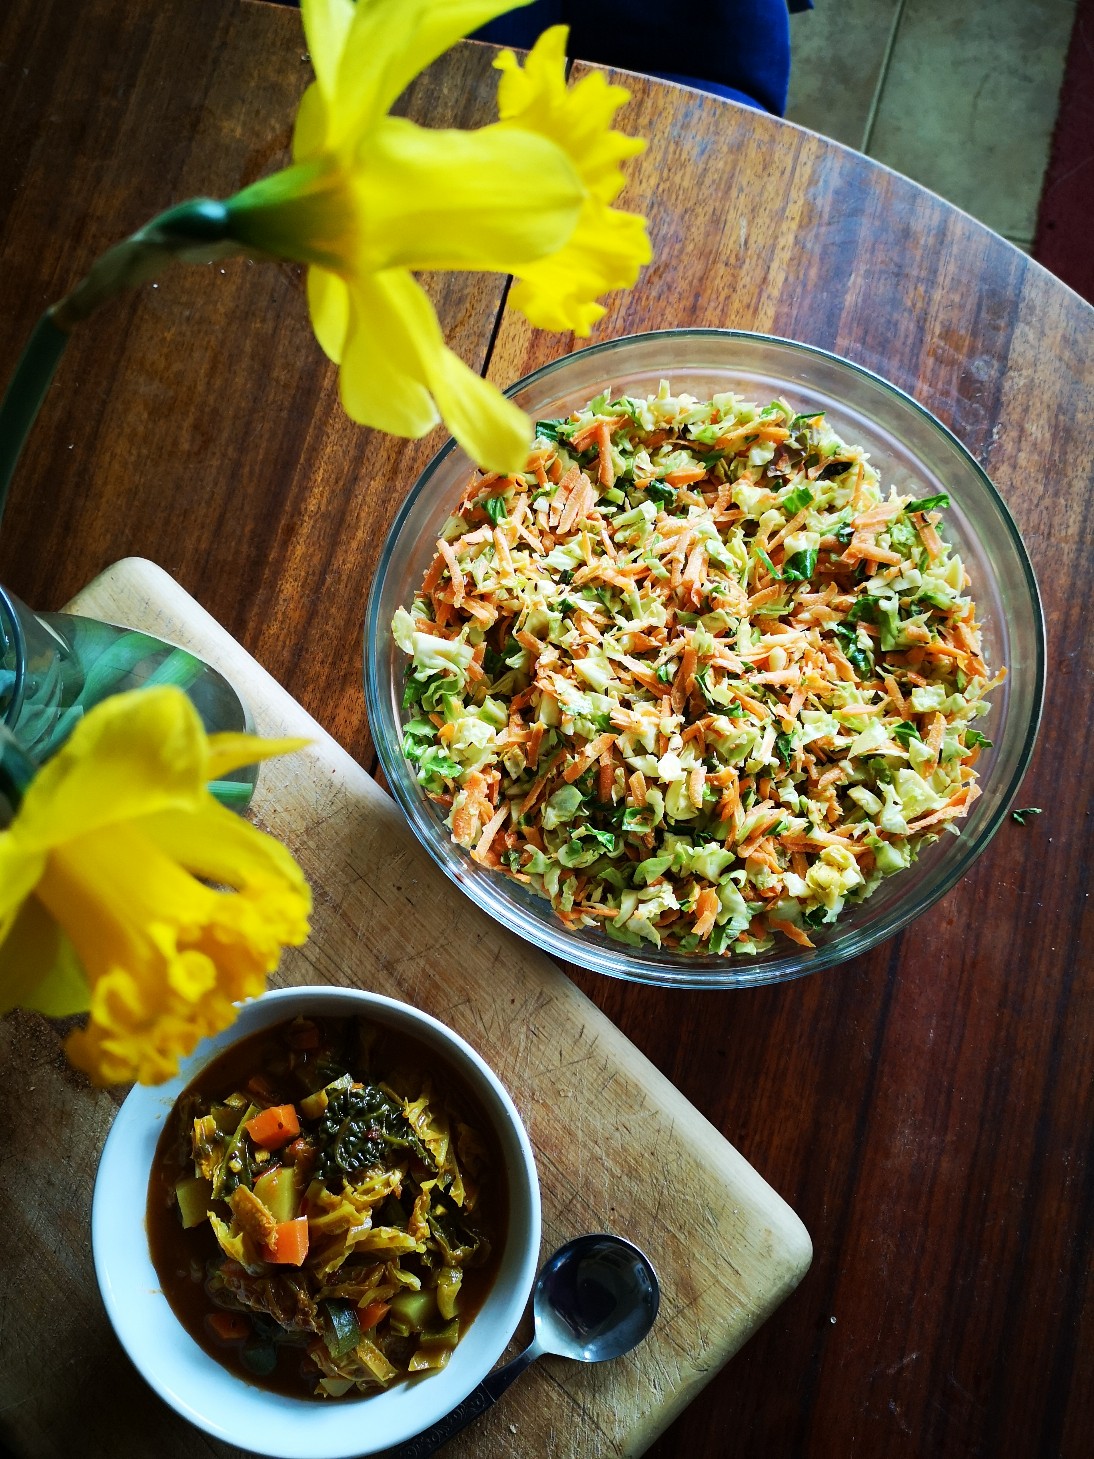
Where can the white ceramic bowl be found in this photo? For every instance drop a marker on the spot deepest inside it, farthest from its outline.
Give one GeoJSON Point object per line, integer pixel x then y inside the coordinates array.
{"type": "Point", "coordinates": [194, 1383]}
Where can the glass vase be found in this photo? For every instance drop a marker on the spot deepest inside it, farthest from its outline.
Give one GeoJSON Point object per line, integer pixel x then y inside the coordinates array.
{"type": "Point", "coordinates": [55, 666]}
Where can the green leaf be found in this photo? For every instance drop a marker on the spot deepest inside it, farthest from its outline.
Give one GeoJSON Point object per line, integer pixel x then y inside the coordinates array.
{"type": "Point", "coordinates": [418, 735]}
{"type": "Point", "coordinates": [974, 738]}
{"type": "Point", "coordinates": [859, 658]}
{"type": "Point", "coordinates": [905, 732]}
{"type": "Point", "coordinates": [862, 610]}
{"type": "Point", "coordinates": [801, 567]}
{"type": "Point", "coordinates": [493, 663]}
{"type": "Point", "coordinates": [929, 503]}
{"type": "Point", "coordinates": [659, 491]}
{"type": "Point", "coordinates": [495, 508]}
{"type": "Point", "coordinates": [434, 761]}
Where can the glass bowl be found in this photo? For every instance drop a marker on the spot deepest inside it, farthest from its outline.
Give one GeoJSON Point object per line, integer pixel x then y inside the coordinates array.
{"type": "Point", "coordinates": [911, 450]}
{"type": "Point", "coordinates": [210, 1395]}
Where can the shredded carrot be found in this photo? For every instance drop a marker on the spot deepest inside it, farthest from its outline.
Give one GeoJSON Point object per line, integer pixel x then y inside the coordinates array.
{"type": "Point", "coordinates": [490, 830]}
{"type": "Point", "coordinates": [706, 909]}
{"type": "Point", "coordinates": [788, 929]}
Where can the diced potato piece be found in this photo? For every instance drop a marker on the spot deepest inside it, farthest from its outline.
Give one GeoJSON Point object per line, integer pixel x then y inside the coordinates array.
{"type": "Point", "coordinates": [194, 1195]}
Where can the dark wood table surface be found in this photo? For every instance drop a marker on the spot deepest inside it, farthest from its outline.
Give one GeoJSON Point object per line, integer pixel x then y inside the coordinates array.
{"type": "Point", "coordinates": [927, 1109]}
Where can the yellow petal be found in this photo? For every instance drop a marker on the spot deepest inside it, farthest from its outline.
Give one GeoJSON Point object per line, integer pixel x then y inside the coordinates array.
{"type": "Point", "coordinates": [39, 968]}
{"type": "Point", "coordinates": [493, 431]}
{"type": "Point", "coordinates": [229, 752]}
{"type": "Point", "coordinates": [606, 251]}
{"type": "Point", "coordinates": [382, 381]}
{"type": "Point", "coordinates": [165, 955]}
{"type": "Point", "coordinates": [135, 753]}
{"type": "Point", "coordinates": [328, 305]}
{"type": "Point", "coordinates": [578, 117]}
{"type": "Point", "coordinates": [309, 134]}
{"type": "Point", "coordinates": [401, 320]}
{"type": "Point", "coordinates": [392, 41]}
{"type": "Point", "coordinates": [220, 847]}
{"type": "Point", "coordinates": [104, 900]}
{"type": "Point", "coordinates": [607, 248]}
{"type": "Point", "coordinates": [489, 199]}
{"type": "Point", "coordinates": [326, 26]}
{"type": "Point", "coordinates": [422, 199]}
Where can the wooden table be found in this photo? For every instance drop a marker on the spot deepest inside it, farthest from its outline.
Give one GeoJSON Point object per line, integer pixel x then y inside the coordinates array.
{"type": "Point", "coordinates": [926, 1109]}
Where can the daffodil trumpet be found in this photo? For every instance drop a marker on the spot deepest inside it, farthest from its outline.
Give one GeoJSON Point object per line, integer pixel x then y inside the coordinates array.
{"type": "Point", "coordinates": [371, 199]}
{"type": "Point", "coordinates": [127, 891]}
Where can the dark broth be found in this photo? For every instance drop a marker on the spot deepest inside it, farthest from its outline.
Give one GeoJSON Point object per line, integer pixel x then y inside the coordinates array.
{"type": "Point", "coordinates": [183, 1258]}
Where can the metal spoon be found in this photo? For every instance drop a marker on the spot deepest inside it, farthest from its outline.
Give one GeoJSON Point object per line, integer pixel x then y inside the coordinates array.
{"type": "Point", "coordinates": [595, 1299]}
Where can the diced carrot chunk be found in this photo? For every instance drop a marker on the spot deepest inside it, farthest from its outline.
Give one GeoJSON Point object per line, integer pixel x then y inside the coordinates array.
{"type": "Point", "coordinates": [275, 1126]}
{"type": "Point", "coordinates": [229, 1326]}
{"type": "Point", "coordinates": [368, 1317]}
{"type": "Point", "coordinates": [289, 1245]}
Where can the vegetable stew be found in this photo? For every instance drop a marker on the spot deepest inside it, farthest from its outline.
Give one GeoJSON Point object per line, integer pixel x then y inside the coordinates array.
{"type": "Point", "coordinates": [326, 1208]}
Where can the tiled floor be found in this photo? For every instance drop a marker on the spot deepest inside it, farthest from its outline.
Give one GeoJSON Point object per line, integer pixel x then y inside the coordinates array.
{"type": "Point", "coordinates": [962, 97]}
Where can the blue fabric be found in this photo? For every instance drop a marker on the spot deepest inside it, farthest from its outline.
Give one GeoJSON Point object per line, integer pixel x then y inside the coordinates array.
{"type": "Point", "coordinates": [734, 48]}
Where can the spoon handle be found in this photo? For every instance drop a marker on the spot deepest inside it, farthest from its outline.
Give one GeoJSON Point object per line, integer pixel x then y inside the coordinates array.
{"type": "Point", "coordinates": [476, 1403]}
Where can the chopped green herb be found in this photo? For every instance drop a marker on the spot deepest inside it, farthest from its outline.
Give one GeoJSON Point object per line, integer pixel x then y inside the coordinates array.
{"type": "Point", "coordinates": [1021, 816]}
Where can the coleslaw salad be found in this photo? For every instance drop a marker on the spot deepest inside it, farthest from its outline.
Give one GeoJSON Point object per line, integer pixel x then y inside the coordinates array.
{"type": "Point", "coordinates": [691, 676]}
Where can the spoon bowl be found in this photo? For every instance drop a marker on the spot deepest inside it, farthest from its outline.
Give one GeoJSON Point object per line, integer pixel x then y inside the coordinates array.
{"type": "Point", "coordinates": [595, 1299]}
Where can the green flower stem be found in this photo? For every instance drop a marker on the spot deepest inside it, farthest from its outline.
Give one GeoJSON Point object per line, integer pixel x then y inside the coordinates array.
{"type": "Point", "coordinates": [195, 232]}
{"type": "Point", "coordinates": [25, 394]}
{"type": "Point", "coordinates": [235, 794]}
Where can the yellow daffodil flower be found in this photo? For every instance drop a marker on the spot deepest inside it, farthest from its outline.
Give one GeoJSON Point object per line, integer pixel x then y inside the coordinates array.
{"type": "Point", "coordinates": [371, 197]}
{"type": "Point", "coordinates": [105, 895]}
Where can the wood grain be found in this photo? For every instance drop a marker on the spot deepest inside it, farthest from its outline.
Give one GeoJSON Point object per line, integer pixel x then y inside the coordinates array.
{"type": "Point", "coordinates": [926, 1109]}
{"type": "Point", "coordinates": [617, 1147]}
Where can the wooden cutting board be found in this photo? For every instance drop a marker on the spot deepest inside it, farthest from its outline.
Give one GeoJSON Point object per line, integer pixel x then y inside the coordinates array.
{"type": "Point", "coordinates": [618, 1147]}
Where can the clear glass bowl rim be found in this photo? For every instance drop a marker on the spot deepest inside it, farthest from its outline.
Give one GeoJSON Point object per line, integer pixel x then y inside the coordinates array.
{"type": "Point", "coordinates": [614, 962]}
